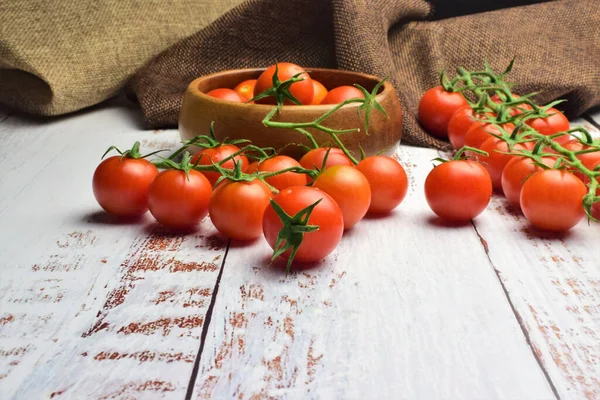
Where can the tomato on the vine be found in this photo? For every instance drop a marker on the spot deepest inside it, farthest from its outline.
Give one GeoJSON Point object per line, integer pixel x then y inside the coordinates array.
{"type": "Point", "coordinates": [458, 190]}
{"type": "Point", "coordinates": [314, 158]}
{"type": "Point", "coordinates": [246, 89]}
{"type": "Point", "coordinates": [387, 180]}
{"type": "Point", "coordinates": [497, 158]}
{"type": "Point", "coordinates": [587, 159]}
{"type": "Point", "coordinates": [436, 107]}
{"type": "Point", "coordinates": [327, 215]}
{"type": "Point", "coordinates": [215, 155]}
{"type": "Point", "coordinates": [460, 123]}
{"type": "Point", "coordinates": [479, 132]}
{"type": "Point", "coordinates": [120, 185]}
{"type": "Point", "coordinates": [278, 163]}
{"type": "Point", "coordinates": [320, 91]}
{"type": "Point", "coordinates": [302, 90]}
{"type": "Point", "coordinates": [349, 188]}
{"type": "Point", "coordinates": [342, 93]}
{"type": "Point", "coordinates": [555, 122]}
{"type": "Point", "coordinates": [516, 172]}
{"type": "Point", "coordinates": [552, 200]}
{"type": "Point", "coordinates": [179, 200]}
{"type": "Point", "coordinates": [236, 208]}
{"type": "Point", "coordinates": [226, 94]}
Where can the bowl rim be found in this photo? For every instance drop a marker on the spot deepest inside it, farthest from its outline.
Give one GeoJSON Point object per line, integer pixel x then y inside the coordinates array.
{"type": "Point", "coordinates": [192, 89]}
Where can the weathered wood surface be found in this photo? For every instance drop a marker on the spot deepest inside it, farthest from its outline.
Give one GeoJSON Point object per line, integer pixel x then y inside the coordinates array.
{"type": "Point", "coordinates": [405, 308]}
{"type": "Point", "coordinates": [90, 308]}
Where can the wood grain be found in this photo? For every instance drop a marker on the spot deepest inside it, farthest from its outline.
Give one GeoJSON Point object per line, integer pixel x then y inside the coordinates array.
{"type": "Point", "coordinates": [91, 307]}
{"type": "Point", "coordinates": [405, 308]}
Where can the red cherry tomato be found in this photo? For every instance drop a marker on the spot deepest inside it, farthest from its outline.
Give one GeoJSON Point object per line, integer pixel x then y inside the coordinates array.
{"type": "Point", "coordinates": [387, 180]}
{"type": "Point", "coordinates": [479, 132]}
{"type": "Point", "coordinates": [587, 159]}
{"type": "Point", "coordinates": [215, 155]}
{"type": "Point", "coordinates": [496, 159]}
{"type": "Point", "coordinates": [436, 108]}
{"type": "Point", "coordinates": [327, 215]}
{"type": "Point", "coordinates": [554, 123]}
{"type": "Point", "coordinates": [246, 89]}
{"type": "Point", "coordinates": [179, 201]}
{"type": "Point", "coordinates": [226, 94]}
{"type": "Point", "coordinates": [458, 190]}
{"type": "Point", "coordinates": [320, 92]}
{"type": "Point", "coordinates": [302, 90]}
{"type": "Point", "coordinates": [350, 190]}
{"type": "Point", "coordinates": [314, 159]}
{"type": "Point", "coordinates": [551, 200]}
{"type": "Point", "coordinates": [342, 93]}
{"type": "Point", "coordinates": [236, 208]}
{"type": "Point", "coordinates": [120, 185]}
{"type": "Point", "coordinates": [459, 124]}
{"type": "Point", "coordinates": [284, 180]}
{"type": "Point", "coordinates": [516, 172]}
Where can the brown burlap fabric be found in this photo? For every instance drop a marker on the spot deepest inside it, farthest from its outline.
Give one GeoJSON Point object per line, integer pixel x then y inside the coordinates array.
{"type": "Point", "coordinates": [59, 56]}
{"type": "Point", "coordinates": [556, 45]}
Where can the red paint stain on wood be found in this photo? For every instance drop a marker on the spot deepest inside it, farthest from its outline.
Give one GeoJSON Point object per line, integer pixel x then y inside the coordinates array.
{"type": "Point", "coordinates": [7, 319]}
{"type": "Point", "coordinates": [152, 385]}
{"type": "Point", "coordinates": [178, 266]}
{"type": "Point", "coordinates": [146, 356]}
{"type": "Point", "coordinates": [334, 281]}
{"type": "Point", "coordinates": [164, 325]}
{"type": "Point", "coordinates": [103, 261]}
{"type": "Point", "coordinates": [164, 296]}
{"type": "Point", "coordinates": [77, 239]}
{"type": "Point", "coordinates": [56, 262]}
{"type": "Point", "coordinates": [312, 361]}
{"type": "Point", "coordinates": [213, 242]}
{"type": "Point", "coordinates": [54, 394]}
{"type": "Point", "coordinates": [288, 326]}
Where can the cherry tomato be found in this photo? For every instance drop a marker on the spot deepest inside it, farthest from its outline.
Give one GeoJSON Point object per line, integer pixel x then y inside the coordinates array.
{"type": "Point", "coordinates": [120, 185]}
{"type": "Point", "coordinates": [557, 122]}
{"type": "Point", "coordinates": [327, 215]}
{"type": "Point", "coordinates": [496, 159]}
{"type": "Point", "coordinates": [320, 92]}
{"type": "Point", "coordinates": [236, 208]}
{"type": "Point", "coordinates": [551, 200]}
{"type": "Point", "coordinates": [459, 124]}
{"type": "Point", "coordinates": [215, 155]}
{"type": "Point", "coordinates": [226, 94]}
{"type": "Point", "coordinates": [516, 171]}
{"type": "Point", "coordinates": [314, 158]}
{"type": "Point", "coordinates": [458, 190]}
{"type": "Point", "coordinates": [342, 93]}
{"type": "Point", "coordinates": [436, 108]}
{"type": "Point", "coordinates": [251, 168]}
{"type": "Point", "coordinates": [179, 201]}
{"type": "Point", "coordinates": [587, 159]}
{"type": "Point", "coordinates": [479, 132]}
{"type": "Point", "coordinates": [387, 180]}
{"type": "Point", "coordinates": [301, 90]}
{"type": "Point", "coordinates": [246, 89]}
{"type": "Point", "coordinates": [284, 180]}
{"type": "Point", "coordinates": [519, 109]}
{"type": "Point", "coordinates": [350, 190]}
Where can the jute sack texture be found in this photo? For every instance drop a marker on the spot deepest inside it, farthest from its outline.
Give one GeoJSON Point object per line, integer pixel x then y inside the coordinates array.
{"type": "Point", "coordinates": [556, 46]}
{"type": "Point", "coordinates": [58, 56]}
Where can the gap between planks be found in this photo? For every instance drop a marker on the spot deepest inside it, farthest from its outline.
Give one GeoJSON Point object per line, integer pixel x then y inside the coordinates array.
{"type": "Point", "coordinates": [514, 311]}
{"type": "Point", "coordinates": [206, 325]}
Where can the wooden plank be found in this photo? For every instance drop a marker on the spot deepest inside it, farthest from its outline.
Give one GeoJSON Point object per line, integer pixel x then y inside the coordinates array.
{"type": "Point", "coordinates": [594, 131]}
{"type": "Point", "coordinates": [89, 307]}
{"type": "Point", "coordinates": [553, 282]}
{"type": "Point", "coordinates": [594, 115]}
{"type": "Point", "coordinates": [405, 308]}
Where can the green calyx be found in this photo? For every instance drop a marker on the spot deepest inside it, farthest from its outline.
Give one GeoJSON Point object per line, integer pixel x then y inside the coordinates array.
{"type": "Point", "coordinates": [280, 90]}
{"type": "Point", "coordinates": [291, 235]}
{"type": "Point", "coordinates": [134, 152]}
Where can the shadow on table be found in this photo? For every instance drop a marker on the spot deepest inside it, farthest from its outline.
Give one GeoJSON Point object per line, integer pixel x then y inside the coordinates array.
{"type": "Point", "coordinates": [104, 218]}
{"type": "Point", "coordinates": [442, 223]}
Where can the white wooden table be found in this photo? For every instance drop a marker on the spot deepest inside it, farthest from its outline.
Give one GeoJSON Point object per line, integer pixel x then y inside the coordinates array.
{"type": "Point", "coordinates": [406, 307]}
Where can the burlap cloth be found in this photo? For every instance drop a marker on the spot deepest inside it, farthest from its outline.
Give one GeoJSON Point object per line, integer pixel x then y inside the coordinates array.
{"type": "Point", "coordinates": [556, 45]}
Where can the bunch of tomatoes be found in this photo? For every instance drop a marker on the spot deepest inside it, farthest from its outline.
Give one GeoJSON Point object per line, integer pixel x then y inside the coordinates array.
{"type": "Point", "coordinates": [509, 144]}
{"type": "Point", "coordinates": [307, 91]}
{"type": "Point", "coordinates": [301, 207]}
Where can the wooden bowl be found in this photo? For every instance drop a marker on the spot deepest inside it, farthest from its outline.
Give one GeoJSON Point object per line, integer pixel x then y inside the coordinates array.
{"type": "Point", "coordinates": [244, 121]}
